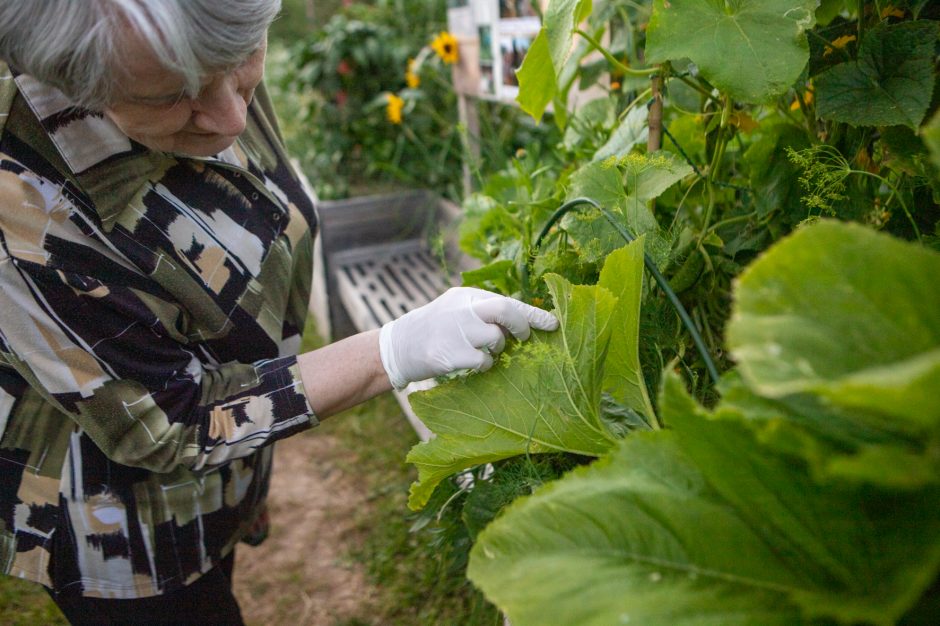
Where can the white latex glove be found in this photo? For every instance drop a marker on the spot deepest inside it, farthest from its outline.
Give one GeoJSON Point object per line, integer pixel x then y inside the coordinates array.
{"type": "Point", "coordinates": [461, 329]}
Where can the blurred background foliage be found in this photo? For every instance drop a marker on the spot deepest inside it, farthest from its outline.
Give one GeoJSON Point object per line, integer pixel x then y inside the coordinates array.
{"type": "Point", "coordinates": [332, 66]}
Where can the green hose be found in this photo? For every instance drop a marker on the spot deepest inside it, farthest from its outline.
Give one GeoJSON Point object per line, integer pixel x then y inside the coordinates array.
{"type": "Point", "coordinates": [650, 265]}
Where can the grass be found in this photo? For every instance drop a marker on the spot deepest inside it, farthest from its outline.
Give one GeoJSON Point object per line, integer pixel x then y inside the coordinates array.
{"type": "Point", "coordinates": [24, 603]}
{"type": "Point", "coordinates": [418, 572]}
{"type": "Point", "coordinates": [419, 577]}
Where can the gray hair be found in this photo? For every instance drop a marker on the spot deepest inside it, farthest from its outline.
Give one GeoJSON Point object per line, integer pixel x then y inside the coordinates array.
{"type": "Point", "coordinates": [76, 45]}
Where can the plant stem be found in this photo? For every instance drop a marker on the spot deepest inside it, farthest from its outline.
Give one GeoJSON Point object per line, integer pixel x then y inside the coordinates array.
{"type": "Point", "coordinates": [895, 193]}
{"type": "Point", "coordinates": [625, 69]}
{"type": "Point", "coordinates": [692, 84]}
{"type": "Point", "coordinates": [655, 139]}
{"type": "Point", "coordinates": [720, 143]}
{"type": "Point", "coordinates": [731, 220]}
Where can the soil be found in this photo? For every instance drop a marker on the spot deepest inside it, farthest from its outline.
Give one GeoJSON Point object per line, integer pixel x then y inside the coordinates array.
{"type": "Point", "coordinates": [301, 574]}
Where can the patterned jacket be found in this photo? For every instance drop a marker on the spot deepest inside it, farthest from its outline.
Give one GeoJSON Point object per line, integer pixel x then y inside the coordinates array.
{"type": "Point", "coordinates": [151, 308]}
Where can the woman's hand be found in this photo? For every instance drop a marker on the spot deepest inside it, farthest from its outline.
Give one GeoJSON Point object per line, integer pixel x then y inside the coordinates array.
{"type": "Point", "coordinates": [461, 329]}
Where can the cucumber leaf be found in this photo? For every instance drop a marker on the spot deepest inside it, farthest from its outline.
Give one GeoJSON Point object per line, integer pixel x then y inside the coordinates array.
{"type": "Point", "coordinates": [624, 186]}
{"type": "Point", "coordinates": [891, 82]}
{"type": "Point", "coordinates": [751, 49]}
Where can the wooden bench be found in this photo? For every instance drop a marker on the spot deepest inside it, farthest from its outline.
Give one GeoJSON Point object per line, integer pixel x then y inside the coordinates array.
{"type": "Point", "coordinates": [384, 256]}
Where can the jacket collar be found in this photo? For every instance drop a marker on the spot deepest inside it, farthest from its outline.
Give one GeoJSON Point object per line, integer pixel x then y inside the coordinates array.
{"type": "Point", "coordinates": [111, 169]}
{"type": "Point", "coordinates": [83, 138]}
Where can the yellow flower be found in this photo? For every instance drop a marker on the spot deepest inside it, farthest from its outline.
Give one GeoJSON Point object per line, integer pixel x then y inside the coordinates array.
{"type": "Point", "coordinates": [807, 99]}
{"type": "Point", "coordinates": [891, 11]}
{"type": "Point", "coordinates": [411, 78]}
{"type": "Point", "coordinates": [393, 109]}
{"type": "Point", "coordinates": [838, 44]}
{"type": "Point", "coordinates": [445, 45]}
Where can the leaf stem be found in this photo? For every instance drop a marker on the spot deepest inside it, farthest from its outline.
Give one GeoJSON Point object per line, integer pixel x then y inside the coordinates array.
{"type": "Point", "coordinates": [895, 193]}
{"type": "Point", "coordinates": [693, 85]}
{"type": "Point", "coordinates": [626, 69]}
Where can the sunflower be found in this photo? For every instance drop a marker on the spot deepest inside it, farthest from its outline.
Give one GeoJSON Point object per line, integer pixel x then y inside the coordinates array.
{"type": "Point", "coordinates": [411, 77]}
{"type": "Point", "coordinates": [393, 108]}
{"type": "Point", "coordinates": [445, 45]}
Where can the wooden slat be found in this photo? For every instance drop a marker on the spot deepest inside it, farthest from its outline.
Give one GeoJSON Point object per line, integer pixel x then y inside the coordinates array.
{"type": "Point", "coordinates": [380, 283]}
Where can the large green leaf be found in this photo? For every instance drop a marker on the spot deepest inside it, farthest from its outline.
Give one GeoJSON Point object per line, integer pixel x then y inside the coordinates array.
{"type": "Point", "coordinates": [891, 82]}
{"type": "Point", "coordinates": [623, 186]}
{"type": "Point", "coordinates": [863, 335]}
{"type": "Point", "coordinates": [704, 525]}
{"type": "Point", "coordinates": [546, 57]}
{"type": "Point", "coordinates": [623, 377]}
{"type": "Point", "coordinates": [537, 80]}
{"type": "Point", "coordinates": [751, 49]}
{"type": "Point", "coordinates": [837, 445]}
{"type": "Point", "coordinates": [543, 395]}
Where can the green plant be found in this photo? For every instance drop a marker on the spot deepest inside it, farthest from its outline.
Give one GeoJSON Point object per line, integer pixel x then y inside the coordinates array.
{"type": "Point", "coordinates": [365, 126]}
{"type": "Point", "coordinates": [823, 362]}
{"type": "Point", "coordinates": [808, 492]}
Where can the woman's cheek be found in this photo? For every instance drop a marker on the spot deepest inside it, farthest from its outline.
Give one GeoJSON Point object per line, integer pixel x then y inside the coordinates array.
{"type": "Point", "coordinates": [144, 124]}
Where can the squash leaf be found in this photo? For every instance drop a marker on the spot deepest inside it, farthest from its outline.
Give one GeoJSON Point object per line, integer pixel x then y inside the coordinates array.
{"type": "Point", "coordinates": [863, 335]}
{"type": "Point", "coordinates": [848, 363]}
{"type": "Point", "coordinates": [702, 524]}
{"type": "Point", "coordinates": [622, 275]}
{"type": "Point", "coordinates": [544, 394]}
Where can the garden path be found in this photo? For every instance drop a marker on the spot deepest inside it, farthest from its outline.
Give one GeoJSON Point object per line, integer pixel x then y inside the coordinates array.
{"type": "Point", "coordinates": [301, 575]}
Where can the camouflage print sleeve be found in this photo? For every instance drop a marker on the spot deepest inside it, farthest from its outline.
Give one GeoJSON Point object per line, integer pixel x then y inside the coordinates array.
{"type": "Point", "coordinates": [112, 348]}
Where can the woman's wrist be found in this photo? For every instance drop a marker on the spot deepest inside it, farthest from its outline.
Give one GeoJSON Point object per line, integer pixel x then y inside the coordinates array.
{"type": "Point", "coordinates": [343, 374]}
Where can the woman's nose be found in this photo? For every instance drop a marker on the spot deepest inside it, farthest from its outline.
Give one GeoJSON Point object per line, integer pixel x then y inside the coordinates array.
{"type": "Point", "coordinates": [220, 108]}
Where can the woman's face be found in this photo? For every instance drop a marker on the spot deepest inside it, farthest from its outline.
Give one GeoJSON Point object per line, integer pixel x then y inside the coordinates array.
{"type": "Point", "coordinates": [153, 110]}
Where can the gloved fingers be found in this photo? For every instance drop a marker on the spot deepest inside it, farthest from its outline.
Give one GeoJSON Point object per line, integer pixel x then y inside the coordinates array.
{"type": "Point", "coordinates": [488, 336]}
{"type": "Point", "coordinates": [485, 363]}
{"type": "Point", "coordinates": [538, 318]}
{"type": "Point", "coordinates": [471, 359]}
{"type": "Point", "coordinates": [514, 316]}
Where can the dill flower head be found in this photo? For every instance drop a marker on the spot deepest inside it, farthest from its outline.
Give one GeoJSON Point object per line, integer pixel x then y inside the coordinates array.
{"type": "Point", "coordinates": [824, 171]}
{"type": "Point", "coordinates": [393, 108]}
{"type": "Point", "coordinates": [445, 45]}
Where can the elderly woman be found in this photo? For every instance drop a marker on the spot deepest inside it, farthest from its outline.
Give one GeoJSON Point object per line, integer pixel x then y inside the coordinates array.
{"type": "Point", "coordinates": [155, 261]}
